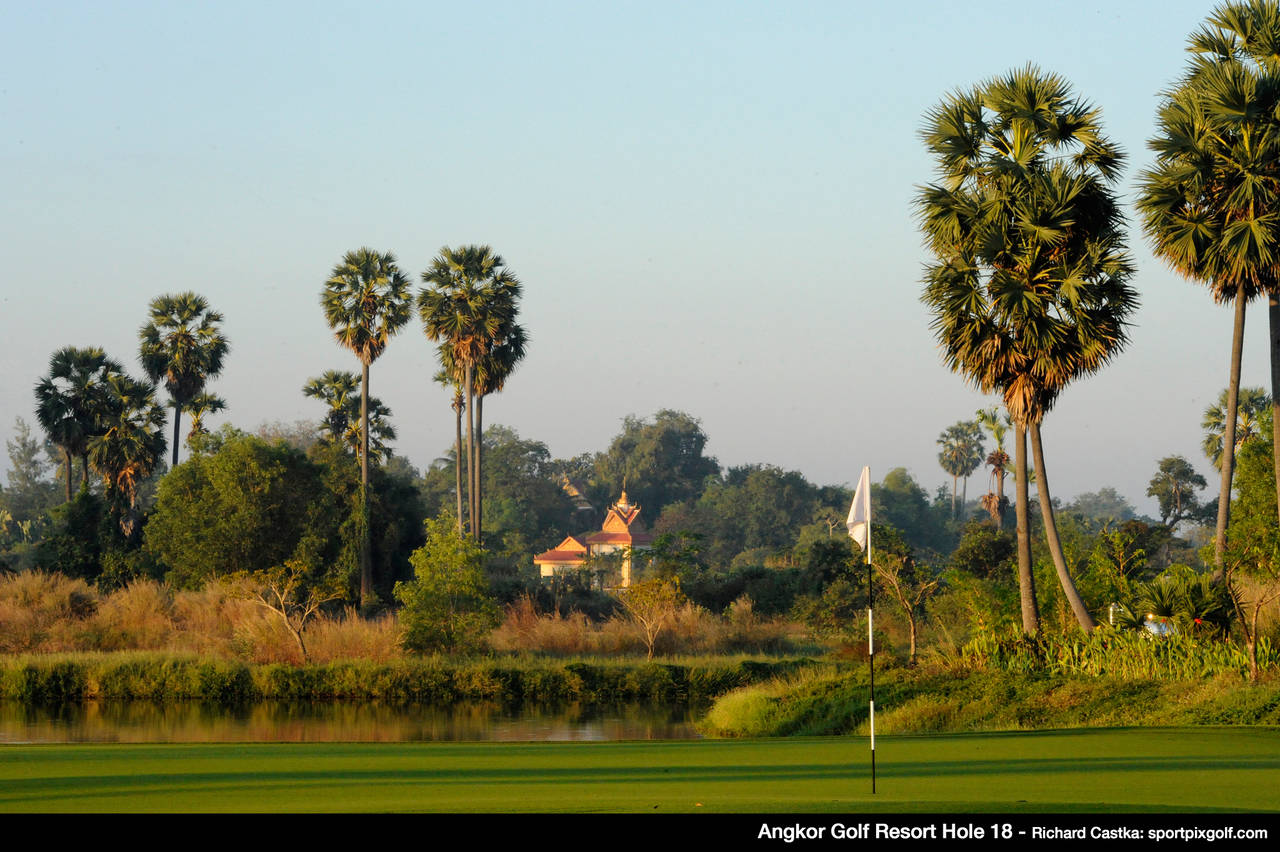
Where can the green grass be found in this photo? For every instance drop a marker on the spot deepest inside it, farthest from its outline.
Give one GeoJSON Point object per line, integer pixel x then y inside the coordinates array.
{"type": "Point", "coordinates": [1112, 770]}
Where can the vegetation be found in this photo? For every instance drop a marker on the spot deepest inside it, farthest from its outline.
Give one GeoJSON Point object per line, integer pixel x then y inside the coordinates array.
{"type": "Point", "coordinates": [1210, 200]}
{"type": "Point", "coordinates": [183, 346]}
{"type": "Point", "coordinates": [366, 301]}
{"type": "Point", "coordinates": [1029, 290]}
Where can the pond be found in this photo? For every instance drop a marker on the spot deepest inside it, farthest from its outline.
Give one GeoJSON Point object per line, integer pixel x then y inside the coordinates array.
{"type": "Point", "coordinates": [277, 721]}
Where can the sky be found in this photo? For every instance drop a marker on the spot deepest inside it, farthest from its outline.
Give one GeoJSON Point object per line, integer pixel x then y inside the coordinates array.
{"type": "Point", "coordinates": [709, 205]}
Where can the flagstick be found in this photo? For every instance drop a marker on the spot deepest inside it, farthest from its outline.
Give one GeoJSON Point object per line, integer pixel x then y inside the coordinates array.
{"type": "Point", "coordinates": [871, 657]}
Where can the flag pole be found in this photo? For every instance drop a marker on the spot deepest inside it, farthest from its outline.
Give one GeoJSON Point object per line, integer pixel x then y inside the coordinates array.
{"type": "Point", "coordinates": [859, 525]}
{"type": "Point", "coordinates": [871, 655]}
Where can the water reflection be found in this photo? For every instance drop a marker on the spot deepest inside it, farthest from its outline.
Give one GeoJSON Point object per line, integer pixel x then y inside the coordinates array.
{"type": "Point", "coordinates": [276, 721]}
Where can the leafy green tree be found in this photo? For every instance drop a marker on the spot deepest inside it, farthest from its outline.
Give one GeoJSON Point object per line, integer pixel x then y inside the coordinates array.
{"type": "Point", "coordinates": [366, 300]}
{"type": "Point", "coordinates": [658, 460]}
{"type": "Point", "coordinates": [1251, 567]}
{"type": "Point", "coordinates": [447, 606]}
{"type": "Point", "coordinates": [1104, 505]}
{"type": "Point", "coordinates": [71, 400]}
{"type": "Point", "coordinates": [961, 454]}
{"type": "Point", "coordinates": [469, 308]}
{"type": "Point", "coordinates": [986, 551]}
{"type": "Point", "coordinates": [1030, 289]}
{"type": "Point", "coordinates": [751, 508]}
{"type": "Point", "coordinates": [29, 492]}
{"type": "Point", "coordinates": [1174, 486]}
{"type": "Point", "coordinates": [183, 346]}
{"type": "Point", "coordinates": [651, 606]}
{"type": "Point", "coordinates": [241, 509]}
{"type": "Point", "coordinates": [294, 591]}
{"type": "Point", "coordinates": [1210, 202]}
{"type": "Point", "coordinates": [899, 501]}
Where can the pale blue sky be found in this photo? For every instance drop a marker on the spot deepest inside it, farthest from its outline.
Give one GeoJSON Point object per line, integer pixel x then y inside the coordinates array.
{"type": "Point", "coordinates": [709, 205]}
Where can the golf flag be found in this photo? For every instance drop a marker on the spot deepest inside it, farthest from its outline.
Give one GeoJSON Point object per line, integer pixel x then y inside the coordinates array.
{"type": "Point", "coordinates": [859, 522]}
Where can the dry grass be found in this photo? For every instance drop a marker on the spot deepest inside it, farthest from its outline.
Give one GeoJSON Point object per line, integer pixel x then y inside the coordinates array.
{"type": "Point", "coordinates": [690, 630]}
{"type": "Point", "coordinates": [44, 613]}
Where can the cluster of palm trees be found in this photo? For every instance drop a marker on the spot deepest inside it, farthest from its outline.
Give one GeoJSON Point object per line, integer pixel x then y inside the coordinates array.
{"type": "Point", "coordinates": [468, 308]}
{"type": "Point", "coordinates": [960, 456]}
{"type": "Point", "coordinates": [92, 410]}
{"type": "Point", "coordinates": [1029, 290]}
{"type": "Point", "coordinates": [1211, 202]}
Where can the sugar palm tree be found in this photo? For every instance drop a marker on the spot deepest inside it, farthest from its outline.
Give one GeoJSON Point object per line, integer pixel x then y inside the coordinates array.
{"type": "Point", "coordinates": [198, 407]}
{"type": "Point", "coordinates": [366, 300]}
{"type": "Point", "coordinates": [130, 446]}
{"type": "Point", "coordinates": [994, 500]}
{"type": "Point", "coordinates": [183, 346]}
{"type": "Point", "coordinates": [470, 303]}
{"type": "Point", "coordinates": [960, 456]}
{"type": "Point", "coordinates": [1029, 291]}
{"type": "Point", "coordinates": [1211, 202]}
{"type": "Point", "coordinates": [342, 422]}
{"type": "Point", "coordinates": [445, 377]}
{"type": "Point", "coordinates": [71, 400]}
{"type": "Point", "coordinates": [1253, 408]}
{"type": "Point", "coordinates": [489, 376]}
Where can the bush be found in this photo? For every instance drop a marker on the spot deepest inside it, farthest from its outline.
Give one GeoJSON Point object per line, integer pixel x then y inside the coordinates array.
{"type": "Point", "coordinates": [446, 607]}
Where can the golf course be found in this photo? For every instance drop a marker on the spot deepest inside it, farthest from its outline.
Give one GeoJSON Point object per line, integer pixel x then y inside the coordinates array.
{"type": "Point", "coordinates": [1065, 771]}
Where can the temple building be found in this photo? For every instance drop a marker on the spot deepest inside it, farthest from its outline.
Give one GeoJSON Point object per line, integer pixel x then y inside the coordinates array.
{"type": "Point", "coordinates": [622, 530]}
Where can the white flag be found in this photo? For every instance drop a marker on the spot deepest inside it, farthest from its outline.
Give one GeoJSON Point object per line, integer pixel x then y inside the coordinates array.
{"type": "Point", "coordinates": [859, 522]}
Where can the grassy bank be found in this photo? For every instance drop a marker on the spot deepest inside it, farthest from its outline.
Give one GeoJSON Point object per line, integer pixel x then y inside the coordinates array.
{"type": "Point", "coordinates": [163, 677]}
{"type": "Point", "coordinates": [1210, 769]}
{"type": "Point", "coordinates": [831, 701]}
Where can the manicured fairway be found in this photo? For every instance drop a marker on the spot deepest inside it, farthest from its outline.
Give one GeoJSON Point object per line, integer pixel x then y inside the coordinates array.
{"type": "Point", "coordinates": [1214, 769]}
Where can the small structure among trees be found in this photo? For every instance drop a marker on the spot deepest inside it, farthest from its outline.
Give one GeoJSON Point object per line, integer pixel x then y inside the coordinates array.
{"type": "Point", "coordinates": [622, 531]}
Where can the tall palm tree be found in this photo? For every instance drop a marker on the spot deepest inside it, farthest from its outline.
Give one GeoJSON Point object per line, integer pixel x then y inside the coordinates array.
{"type": "Point", "coordinates": [130, 446]}
{"type": "Point", "coordinates": [1253, 407]}
{"type": "Point", "coordinates": [469, 306]}
{"type": "Point", "coordinates": [198, 406]}
{"type": "Point", "coordinates": [445, 377]}
{"type": "Point", "coordinates": [1029, 291]}
{"type": "Point", "coordinates": [994, 501]}
{"type": "Point", "coordinates": [1211, 202]}
{"type": "Point", "coordinates": [342, 421]}
{"type": "Point", "coordinates": [182, 345]}
{"type": "Point", "coordinates": [366, 300]}
{"type": "Point", "coordinates": [337, 389]}
{"type": "Point", "coordinates": [961, 454]}
{"type": "Point", "coordinates": [71, 400]}
{"type": "Point", "coordinates": [489, 376]}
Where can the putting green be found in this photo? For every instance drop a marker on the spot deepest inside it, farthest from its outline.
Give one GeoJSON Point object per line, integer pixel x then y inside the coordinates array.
{"type": "Point", "coordinates": [1113, 770]}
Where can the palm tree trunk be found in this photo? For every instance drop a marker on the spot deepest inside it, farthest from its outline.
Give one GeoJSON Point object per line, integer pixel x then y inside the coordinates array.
{"type": "Point", "coordinates": [177, 419]}
{"type": "Point", "coordinates": [67, 470]}
{"type": "Point", "coordinates": [1273, 314]}
{"type": "Point", "coordinates": [457, 454]}
{"type": "Point", "coordinates": [1078, 608]}
{"type": "Point", "coordinates": [953, 497]}
{"type": "Point", "coordinates": [1026, 580]}
{"type": "Point", "coordinates": [366, 558]}
{"type": "Point", "coordinates": [1229, 435]}
{"type": "Point", "coordinates": [471, 448]}
{"type": "Point", "coordinates": [479, 462]}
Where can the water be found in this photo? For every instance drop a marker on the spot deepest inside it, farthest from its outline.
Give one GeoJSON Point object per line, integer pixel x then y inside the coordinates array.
{"type": "Point", "coordinates": [276, 721]}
